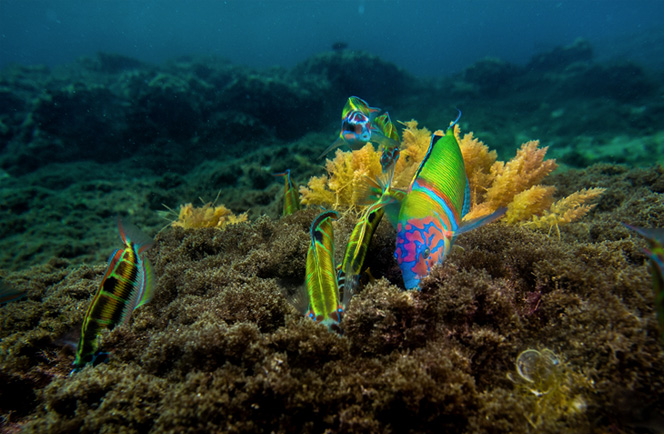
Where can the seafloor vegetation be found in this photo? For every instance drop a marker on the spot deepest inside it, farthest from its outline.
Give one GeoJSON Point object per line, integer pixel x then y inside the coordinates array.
{"type": "Point", "coordinates": [220, 349]}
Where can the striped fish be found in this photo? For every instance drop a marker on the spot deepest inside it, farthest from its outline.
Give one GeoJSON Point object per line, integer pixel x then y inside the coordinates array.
{"type": "Point", "coordinates": [127, 285]}
{"type": "Point", "coordinates": [291, 194]}
{"type": "Point", "coordinates": [348, 276]}
{"type": "Point", "coordinates": [655, 251]}
{"type": "Point", "coordinates": [358, 127]}
{"type": "Point", "coordinates": [9, 294]}
{"type": "Point", "coordinates": [321, 281]}
{"type": "Point", "coordinates": [430, 215]}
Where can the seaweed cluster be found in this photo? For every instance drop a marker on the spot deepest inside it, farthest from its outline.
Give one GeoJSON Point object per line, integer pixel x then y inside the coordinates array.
{"type": "Point", "coordinates": [493, 184]}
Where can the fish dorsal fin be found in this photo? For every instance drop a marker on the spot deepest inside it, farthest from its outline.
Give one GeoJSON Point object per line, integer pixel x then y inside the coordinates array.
{"type": "Point", "coordinates": [466, 199]}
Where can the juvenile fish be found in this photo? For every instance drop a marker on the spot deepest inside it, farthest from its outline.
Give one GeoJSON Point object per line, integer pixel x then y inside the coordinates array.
{"type": "Point", "coordinates": [321, 280]}
{"type": "Point", "coordinates": [291, 194]}
{"type": "Point", "coordinates": [127, 285]}
{"type": "Point", "coordinates": [348, 277]}
{"type": "Point", "coordinates": [358, 127]}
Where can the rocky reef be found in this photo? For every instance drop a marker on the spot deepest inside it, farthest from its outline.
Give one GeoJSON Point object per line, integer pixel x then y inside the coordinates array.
{"type": "Point", "coordinates": [221, 349]}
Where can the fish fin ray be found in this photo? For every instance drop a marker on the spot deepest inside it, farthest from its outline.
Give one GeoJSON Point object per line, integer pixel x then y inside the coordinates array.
{"type": "Point", "coordinates": [476, 223]}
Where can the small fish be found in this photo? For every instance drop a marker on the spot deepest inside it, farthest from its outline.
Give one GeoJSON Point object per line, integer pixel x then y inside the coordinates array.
{"type": "Point", "coordinates": [430, 215]}
{"type": "Point", "coordinates": [655, 251]}
{"type": "Point", "coordinates": [321, 281]}
{"type": "Point", "coordinates": [291, 194]}
{"type": "Point", "coordinates": [358, 127]}
{"type": "Point", "coordinates": [386, 135]}
{"type": "Point", "coordinates": [127, 285]}
{"type": "Point", "coordinates": [348, 276]}
{"type": "Point", "coordinates": [339, 46]}
{"type": "Point", "coordinates": [9, 294]}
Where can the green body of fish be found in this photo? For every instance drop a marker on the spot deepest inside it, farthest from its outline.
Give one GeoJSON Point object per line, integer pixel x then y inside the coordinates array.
{"type": "Point", "coordinates": [321, 282]}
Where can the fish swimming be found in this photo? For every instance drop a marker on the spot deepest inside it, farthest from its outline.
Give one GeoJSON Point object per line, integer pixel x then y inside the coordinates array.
{"type": "Point", "coordinates": [321, 280]}
{"type": "Point", "coordinates": [655, 251]}
{"type": "Point", "coordinates": [127, 284]}
{"type": "Point", "coordinates": [291, 194]}
{"type": "Point", "coordinates": [358, 128]}
{"type": "Point", "coordinates": [430, 215]}
{"type": "Point", "coordinates": [348, 276]}
{"type": "Point", "coordinates": [9, 294]}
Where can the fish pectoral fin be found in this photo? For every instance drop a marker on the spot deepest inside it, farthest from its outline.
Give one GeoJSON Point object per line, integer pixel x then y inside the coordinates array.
{"type": "Point", "coordinates": [476, 223]}
{"type": "Point", "coordinates": [300, 300]}
{"type": "Point", "coordinates": [381, 139]}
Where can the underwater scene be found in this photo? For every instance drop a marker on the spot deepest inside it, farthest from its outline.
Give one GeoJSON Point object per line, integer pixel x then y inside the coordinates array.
{"type": "Point", "coordinates": [331, 231]}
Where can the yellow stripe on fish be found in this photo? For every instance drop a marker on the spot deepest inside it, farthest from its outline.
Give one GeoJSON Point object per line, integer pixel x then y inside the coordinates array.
{"type": "Point", "coordinates": [291, 194]}
{"type": "Point", "coordinates": [321, 279]}
{"type": "Point", "coordinates": [127, 284]}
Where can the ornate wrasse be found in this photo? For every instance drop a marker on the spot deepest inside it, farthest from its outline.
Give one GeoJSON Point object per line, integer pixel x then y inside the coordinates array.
{"type": "Point", "coordinates": [321, 280]}
{"type": "Point", "coordinates": [127, 284]}
{"type": "Point", "coordinates": [291, 195]}
{"type": "Point", "coordinates": [360, 238]}
{"type": "Point", "coordinates": [359, 125]}
{"type": "Point", "coordinates": [430, 214]}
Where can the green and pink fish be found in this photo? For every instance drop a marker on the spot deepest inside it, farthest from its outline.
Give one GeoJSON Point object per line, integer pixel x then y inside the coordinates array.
{"type": "Point", "coordinates": [430, 216]}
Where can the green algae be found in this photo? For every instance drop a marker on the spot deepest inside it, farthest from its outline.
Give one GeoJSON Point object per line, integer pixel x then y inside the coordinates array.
{"type": "Point", "coordinates": [220, 349]}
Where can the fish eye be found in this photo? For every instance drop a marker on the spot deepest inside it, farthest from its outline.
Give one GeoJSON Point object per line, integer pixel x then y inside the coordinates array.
{"type": "Point", "coordinates": [426, 253]}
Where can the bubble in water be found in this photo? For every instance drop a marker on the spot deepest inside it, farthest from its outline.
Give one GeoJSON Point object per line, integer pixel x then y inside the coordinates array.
{"type": "Point", "coordinates": [539, 368]}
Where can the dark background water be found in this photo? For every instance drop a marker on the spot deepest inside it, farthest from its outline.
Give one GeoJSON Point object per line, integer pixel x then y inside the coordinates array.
{"type": "Point", "coordinates": [428, 38]}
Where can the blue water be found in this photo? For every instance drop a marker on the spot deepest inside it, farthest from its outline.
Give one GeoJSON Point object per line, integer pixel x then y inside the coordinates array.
{"type": "Point", "coordinates": [428, 38]}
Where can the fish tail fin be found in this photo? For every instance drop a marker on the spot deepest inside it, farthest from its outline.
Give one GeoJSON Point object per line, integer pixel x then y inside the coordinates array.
{"type": "Point", "coordinates": [373, 190]}
{"type": "Point", "coordinates": [131, 234]}
{"type": "Point", "coordinates": [285, 173]}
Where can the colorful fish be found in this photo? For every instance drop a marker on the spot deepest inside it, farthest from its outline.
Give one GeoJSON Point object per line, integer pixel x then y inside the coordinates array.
{"type": "Point", "coordinates": [291, 194]}
{"type": "Point", "coordinates": [388, 138]}
{"type": "Point", "coordinates": [348, 276]}
{"type": "Point", "coordinates": [127, 285]}
{"type": "Point", "coordinates": [655, 251]}
{"type": "Point", "coordinates": [9, 294]}
{"type": "Point", "coordinates": [321, 281]}
{"type": "Point", "coordinates": [430, 215]}
{"type": "Point", "coordinates": [358, 128]}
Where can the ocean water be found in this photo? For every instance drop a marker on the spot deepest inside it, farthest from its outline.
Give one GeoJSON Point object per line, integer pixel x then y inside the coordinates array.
{"type": "Point", "coordinates": [149, 110]}
{"type": "Point", "coordinates": [428, 38]}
